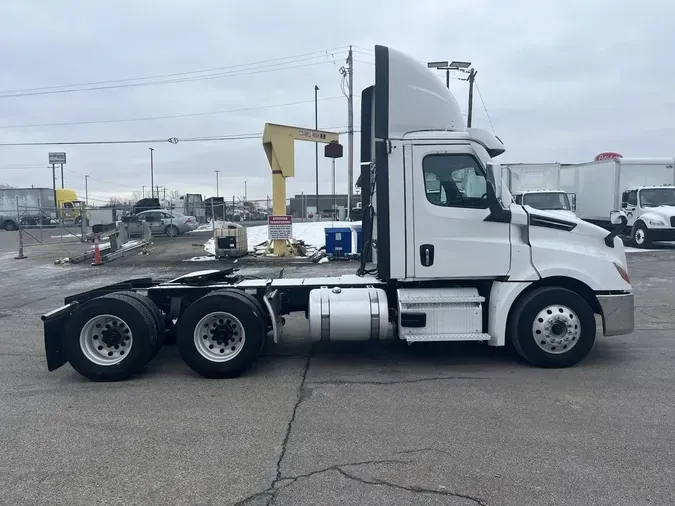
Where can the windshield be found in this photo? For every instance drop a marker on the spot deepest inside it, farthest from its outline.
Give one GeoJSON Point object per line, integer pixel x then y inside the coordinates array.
{"type": "Point", "coordinates": [653, 197]}
{"type": "Point", "coordinates": [547, 201]}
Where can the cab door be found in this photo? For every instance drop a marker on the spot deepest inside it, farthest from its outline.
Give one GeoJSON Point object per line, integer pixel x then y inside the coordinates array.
{"type": "Point", "coordinates": [454, 236]}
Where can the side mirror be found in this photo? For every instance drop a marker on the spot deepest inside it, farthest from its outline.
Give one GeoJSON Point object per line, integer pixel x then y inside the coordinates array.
{"type": "Point", "coordinates": [573, 201]}
{"type": "Point", "coordinates": [618, 218]}
{"type": "Point", "coordinates": [497, 212]}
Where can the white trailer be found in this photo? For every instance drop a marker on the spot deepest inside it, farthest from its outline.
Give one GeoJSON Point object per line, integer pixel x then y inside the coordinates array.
{"type": "Point", "coordinates": [538, 185]}
{"type": "Point", "coordinates": [462, 265]}
{"type": "Point", "coordinates": [641, 188]}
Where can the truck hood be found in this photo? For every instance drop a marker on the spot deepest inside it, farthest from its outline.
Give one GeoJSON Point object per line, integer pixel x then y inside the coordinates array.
{"type": "Point", "coordinates": [570, 247]}
{"type": "Point", "coordinates": [665, 212]}
{"type": "Point", "coordinates": [581, 227]}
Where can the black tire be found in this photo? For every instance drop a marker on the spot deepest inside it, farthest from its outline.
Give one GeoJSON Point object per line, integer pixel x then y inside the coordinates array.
{"type": "Point", "coordinates": [245, 311]}
{"type": "Point", "coordinates": [157, 315]}
{"type": "Point", "coordinates": [579, 329]}
{"type": "Point", "coordinates": [640, 236]}
{"type": "Point", "coordinates": [172, 231]}
{"type": "Point", "coordinates": [140, 323]}
{"type": "Point", "coordinates": [10, 226]}
{"type": "Point", "coordinates": [247, 296]}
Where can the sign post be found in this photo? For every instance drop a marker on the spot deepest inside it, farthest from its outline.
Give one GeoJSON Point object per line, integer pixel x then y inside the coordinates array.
{"type": "Point", "coordinates": [57, 158]}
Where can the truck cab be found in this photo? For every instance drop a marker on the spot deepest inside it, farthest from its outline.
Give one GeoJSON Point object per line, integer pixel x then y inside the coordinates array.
{"type": "Point", "coordinates": [650, 212]}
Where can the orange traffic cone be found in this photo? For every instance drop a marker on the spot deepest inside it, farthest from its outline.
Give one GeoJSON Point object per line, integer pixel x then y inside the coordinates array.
{"type": "Point", "coordinates": [97, 252]}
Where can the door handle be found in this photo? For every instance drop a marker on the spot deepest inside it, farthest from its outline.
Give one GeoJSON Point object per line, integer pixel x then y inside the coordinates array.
{"type": "Point", "coordinates": [427, 255]}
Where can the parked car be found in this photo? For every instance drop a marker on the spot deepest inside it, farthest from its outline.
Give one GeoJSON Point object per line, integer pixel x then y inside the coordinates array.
{"type": "Point", "coordinates": [171, 223]}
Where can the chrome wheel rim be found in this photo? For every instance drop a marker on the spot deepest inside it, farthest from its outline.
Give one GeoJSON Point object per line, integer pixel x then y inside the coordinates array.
{"type": "Point", "coordinates": [106, 340]}
{"type": "Point", "coordinates": [556, 329]}
{"type": "Point", "coordinates": [639, 236]}
{"type": "Point", "coordinates": [219, 336]}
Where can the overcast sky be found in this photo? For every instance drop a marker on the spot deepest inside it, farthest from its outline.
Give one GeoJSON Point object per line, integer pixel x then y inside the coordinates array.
{"type": "Point", "coordinates": [561, 81]}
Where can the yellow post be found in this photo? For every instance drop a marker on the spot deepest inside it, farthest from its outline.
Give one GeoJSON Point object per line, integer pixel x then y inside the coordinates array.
{"type": "Point", "coordinates": [279, 145]}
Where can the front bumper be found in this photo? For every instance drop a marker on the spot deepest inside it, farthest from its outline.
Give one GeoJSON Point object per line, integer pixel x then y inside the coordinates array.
{"type": "Point", "coordinates": [618, 313]}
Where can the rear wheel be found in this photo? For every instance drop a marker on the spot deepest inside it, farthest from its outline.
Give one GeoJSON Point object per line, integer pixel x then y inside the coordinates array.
{"type": "Point", "coordinates": [110, 338]}
{"type": "Point", "coordinates": [552, 327]}
{"type": "Point", "coordinates": [172, 231]}
{"type": "Point", "coordinates": [157, 315]}
{"type": "Point", "coordinates": [221, 334]}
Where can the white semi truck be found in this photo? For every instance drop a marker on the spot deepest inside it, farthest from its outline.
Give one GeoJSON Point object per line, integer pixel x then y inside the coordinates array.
{"type": "Point", "coordinates": [642, 189]}
{"type": "Point", "coordinates": [465, 265]}
{"type": "Point", "coordinates": [538, 185]}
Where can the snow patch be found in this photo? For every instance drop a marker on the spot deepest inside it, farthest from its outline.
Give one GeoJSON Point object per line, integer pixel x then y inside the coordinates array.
{"type": "Point", "coordinates": [200, 259]}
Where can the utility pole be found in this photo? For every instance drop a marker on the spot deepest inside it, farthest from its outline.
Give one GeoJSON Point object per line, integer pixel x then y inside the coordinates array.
{"type": "Point", "coordinates": [316, 145]}
{"type": "Point", "coordinates": [86, 190]}
{"type": "Point", "coordinates": [472, 77]}
{"type": "Point", "coordinates": [152, 174]}
{"type": "Point", "coordinates": [62, 183]}
{"type": "Point", "coordinates": [143, 190]}
{"type": "Point", "coordinates": [217, 183]}
{"type": "Point", "coordinates": [350, 131]}
{"type": "Point", "coordinates": [245, 191]}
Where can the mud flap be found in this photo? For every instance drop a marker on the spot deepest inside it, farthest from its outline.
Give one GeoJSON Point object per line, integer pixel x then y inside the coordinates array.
{"type": "Point", "coordinates": [54, 324]}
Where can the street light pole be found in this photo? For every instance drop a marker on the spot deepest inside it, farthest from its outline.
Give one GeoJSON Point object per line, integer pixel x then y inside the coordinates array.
{"type": "Point", "coordinates": [217, 183]}
{"type": "Point", "coordinates": [245, 191]}
{"type": "Point", "coordinates": [152, 173]}
{"type": "Point", "coordinates": [316, 147]}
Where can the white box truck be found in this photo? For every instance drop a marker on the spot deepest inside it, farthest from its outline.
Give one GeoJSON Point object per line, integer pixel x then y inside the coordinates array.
{"type": "Point", "coordinates": [538, 185]}
{"type": "Point", "coordinates": [643, 189]}
{"type": "Point", "coordinates": [465, 265]}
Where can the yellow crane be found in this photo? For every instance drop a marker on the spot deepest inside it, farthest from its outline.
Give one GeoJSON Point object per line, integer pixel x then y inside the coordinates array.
{"type": "Point", "coordinates": [279, 144]}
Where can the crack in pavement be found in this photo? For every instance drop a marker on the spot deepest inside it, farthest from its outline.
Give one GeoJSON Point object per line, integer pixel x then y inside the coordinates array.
{"type": "Point", "coordinates": [270, 492]}
{"type": "Point", "coordinates": [280, 482]}
{"type": "Point", "coordinates": [412, 489]}
{"type": "Point", "coordinates": [397, 382]}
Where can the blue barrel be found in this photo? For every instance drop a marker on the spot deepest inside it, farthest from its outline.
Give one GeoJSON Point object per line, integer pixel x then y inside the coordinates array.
{"type": "Point", "coordinates": [338, 241]}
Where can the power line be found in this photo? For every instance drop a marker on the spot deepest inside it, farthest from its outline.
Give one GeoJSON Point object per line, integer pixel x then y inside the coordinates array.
{"type": "Point", "coordinates": [480, 95]}
{"type": "Point", "coordinates": [171, 140]}
{"type": "Point", "coordinates": [174, 116]}
{"type": "Point", "coordinates": [255, 68]}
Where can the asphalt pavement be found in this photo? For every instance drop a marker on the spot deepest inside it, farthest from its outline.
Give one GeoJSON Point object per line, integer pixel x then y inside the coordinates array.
{"type": "Point", "coordinates": [359, 424]}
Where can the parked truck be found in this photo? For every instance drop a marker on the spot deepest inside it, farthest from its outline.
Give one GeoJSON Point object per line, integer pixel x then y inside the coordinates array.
{"type": "Point", "coordinates": [642, 189]}
{"type": "Point", "coordinates": [538, 185]}
{"type": "Point", "coordinates": [468, 265]}
{"type": "Point", "coordinates": [35, 206]}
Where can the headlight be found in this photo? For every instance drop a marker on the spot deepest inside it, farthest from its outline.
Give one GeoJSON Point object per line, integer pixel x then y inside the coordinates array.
{"type": "Point", "coordinates": [622, 272]}
{"type": "Point", "coordinates": [656, 223]}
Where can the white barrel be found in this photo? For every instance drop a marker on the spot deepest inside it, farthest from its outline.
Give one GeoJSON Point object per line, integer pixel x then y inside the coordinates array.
{"type": "Point", "coordinates": [348, 314]}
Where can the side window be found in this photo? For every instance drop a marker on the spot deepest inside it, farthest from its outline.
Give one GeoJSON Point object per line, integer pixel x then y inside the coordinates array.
{"type": "Point", "coordinates": [631, 198]}
{"type": "Point", "coordinates": [454, 180]}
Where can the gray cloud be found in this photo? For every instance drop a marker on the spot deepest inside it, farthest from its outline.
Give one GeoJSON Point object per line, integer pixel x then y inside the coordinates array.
{"type": "Point", "coordinates": [561, 81]}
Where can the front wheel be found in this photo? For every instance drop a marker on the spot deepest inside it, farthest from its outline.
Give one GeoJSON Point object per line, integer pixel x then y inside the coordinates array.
{"type": "Point", "coordinates": [640, 235]}
{"type": "Point", "coordinates": [552, 327]}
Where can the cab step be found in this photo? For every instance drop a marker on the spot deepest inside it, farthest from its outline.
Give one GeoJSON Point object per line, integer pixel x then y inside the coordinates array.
{"type": "Point", "coordinates": [440, 314]}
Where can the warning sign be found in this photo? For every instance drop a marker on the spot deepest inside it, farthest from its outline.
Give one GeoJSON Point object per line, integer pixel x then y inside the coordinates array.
{"type": "Point", "coordinates": [279, 227]}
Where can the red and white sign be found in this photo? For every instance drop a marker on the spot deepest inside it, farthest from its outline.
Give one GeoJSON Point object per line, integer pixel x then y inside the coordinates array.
{"type": "Point", "coordinates": [279, 228]}
{"type": "Point", "coordinates": [609, 155]}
